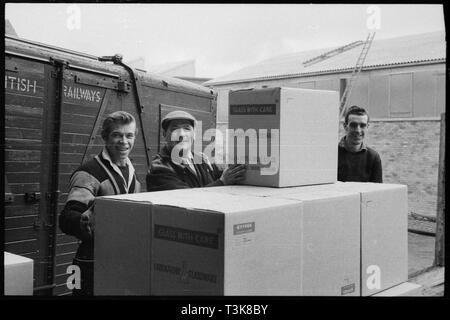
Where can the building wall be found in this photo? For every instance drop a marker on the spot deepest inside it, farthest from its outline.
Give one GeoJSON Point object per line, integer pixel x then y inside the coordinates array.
{"type": "Point", "coordinates": [409, 152]}
{"type": "Point", "coordinates": [401, 92]}
{"type": "Point", "coordinates": [405, 106]}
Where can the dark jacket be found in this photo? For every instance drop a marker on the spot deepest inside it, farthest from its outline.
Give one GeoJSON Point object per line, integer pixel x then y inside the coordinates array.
{"type": "Point", "coordinates": [361, 166]}
{"type": "Point", "coordinates": [164, 174]}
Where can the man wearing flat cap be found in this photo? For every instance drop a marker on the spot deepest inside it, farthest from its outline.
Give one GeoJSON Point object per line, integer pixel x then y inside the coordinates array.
{"type": "Point", "coordinates": [176, 166]}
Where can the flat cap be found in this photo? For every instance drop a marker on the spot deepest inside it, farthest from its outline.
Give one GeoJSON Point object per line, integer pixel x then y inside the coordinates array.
{"type": "Point", "coordinates": [177, 115]}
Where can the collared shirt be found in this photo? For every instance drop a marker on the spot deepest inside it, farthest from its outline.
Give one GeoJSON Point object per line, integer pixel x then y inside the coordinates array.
{"type": "Point", "coordinates": [127, 182]}
{"type": "Point", "coordinates": [343, 144]}
{"type": "Point", "coordinates": [361, 166]}
{"type": "Point", "coordinates": [189, 162]}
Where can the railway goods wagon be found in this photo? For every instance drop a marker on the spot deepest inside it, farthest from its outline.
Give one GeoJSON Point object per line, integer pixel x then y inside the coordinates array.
{"type": "Point", "coordinates": [55, 102]}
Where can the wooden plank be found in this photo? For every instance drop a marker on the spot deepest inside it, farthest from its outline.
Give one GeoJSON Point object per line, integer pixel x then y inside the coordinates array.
{"type": "Point", "coordinates": [21, 210]}
{"type": "Point", "coordinates": [65, 258]}
{"type": "Point", "coordinates": [80, 128]}
{"type": "Point", "coordinates": [68, 168]}
{"type": "Point", "coordinates": [29, 166]}
{"type": "Point", "coordinates": [22, 122]}
{"type": "Point", "coordinates": [22, 155]}
{"type": "Point", "coordinates": [62, 268]}
{"type": "Point", "coordinates": [72, 148]}
{"type": "Point", "coordinates": [439, 257]}
{"type": "Point", "coordinates": [22, 188]}
{"type": "Point", "coordinates": [70, 158]}
{"type": "Point", "coordinates": [19, 222]}
{"type": "Point", "coordinates": [23, 99]}
{"type": "Point", "coordinates": [20, 247]}
{"type": "Point", "coordinates": [67, 247]}
{"type": "Point", "coordinates": [33, 111]}
{"type": "Point", "coordinates": [78, 118]}
{"type": "Point", "coordinates": [61, 278]}
{"type": "Point", "coordinates": [13, 235]}
{"type": "Point", "coordinates": [20, 177]}
{"type": "Point", "coordinates": [62, 238]}
{"type": "Point", "coordinates": [61, 289]}
{"type": "Point", "coordinates": [22, 144]}
{"type": "Point", "coordinates": [74, 138]}
{"type": "Point", "coordinates": [81, 109]}
{"type": "Point", "coordinates": [21, 133]}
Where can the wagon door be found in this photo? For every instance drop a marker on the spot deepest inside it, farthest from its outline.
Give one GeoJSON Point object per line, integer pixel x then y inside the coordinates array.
{"type": "Point", "coordinates": [87, 97]}
{"type": "Point", "coordinates": [30, 90]}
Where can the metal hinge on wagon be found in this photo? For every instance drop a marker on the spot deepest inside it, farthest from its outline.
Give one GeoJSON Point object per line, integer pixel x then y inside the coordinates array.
{"type": "Point", "coordinates": [121, 85]}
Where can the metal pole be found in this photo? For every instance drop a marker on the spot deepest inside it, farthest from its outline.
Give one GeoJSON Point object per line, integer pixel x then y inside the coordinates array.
{"type": "Point", "coordinates": [439, 255]}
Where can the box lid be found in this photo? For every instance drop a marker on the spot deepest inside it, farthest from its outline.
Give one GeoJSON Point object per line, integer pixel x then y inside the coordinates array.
{"type": "Point", "coordinates": [12, 259]}
{"type": "Point", "coordinates": [197, 198]}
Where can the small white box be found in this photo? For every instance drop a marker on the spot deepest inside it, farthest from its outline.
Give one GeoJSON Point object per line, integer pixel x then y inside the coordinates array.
{"type": "Point", "coordinates": [18, 275]}
{"type": "Point", "coordinates": [192, 242]}
{"type": "Point", "coordinates": [303, 135]}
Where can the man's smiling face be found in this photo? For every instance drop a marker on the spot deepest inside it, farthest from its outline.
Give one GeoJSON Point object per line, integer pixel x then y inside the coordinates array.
{"type": "Point", "coordinates": [355, 129]}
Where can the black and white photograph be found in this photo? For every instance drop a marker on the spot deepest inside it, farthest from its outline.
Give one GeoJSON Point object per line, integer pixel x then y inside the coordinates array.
{"type": "Point", "coordinates": [225, 151]}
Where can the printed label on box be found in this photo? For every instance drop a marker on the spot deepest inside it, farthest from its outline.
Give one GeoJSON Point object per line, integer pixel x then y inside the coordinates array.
{"type": "Point", "coordinates": [253, 109]}
{"type": "Point", "coordinates": [243, 228]}
{"type": "Point", "coordinates": [243, 233]}
{"type": "Point", "coordinates": [350, 288]}
{"type": "Point", "coordinates": [196, 238]}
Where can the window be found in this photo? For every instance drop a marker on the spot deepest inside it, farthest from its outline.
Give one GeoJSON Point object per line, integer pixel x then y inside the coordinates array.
{"type": "Point", "coordinates": [400, 95]}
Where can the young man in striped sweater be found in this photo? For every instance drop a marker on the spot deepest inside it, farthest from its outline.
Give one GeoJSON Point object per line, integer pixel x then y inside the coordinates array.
{"type": "Point", "coordinates": [108, 173]}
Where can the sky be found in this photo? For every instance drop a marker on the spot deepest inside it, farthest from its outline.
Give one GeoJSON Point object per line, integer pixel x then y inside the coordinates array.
{"type": "Point", "coordinates": [221, 38]}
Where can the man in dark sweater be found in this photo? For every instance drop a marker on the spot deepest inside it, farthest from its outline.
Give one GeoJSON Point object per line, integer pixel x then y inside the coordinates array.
{"type": "Point", "coordinates": [176, 166]}
{"type": "Point", "coordinates": [357, 161]}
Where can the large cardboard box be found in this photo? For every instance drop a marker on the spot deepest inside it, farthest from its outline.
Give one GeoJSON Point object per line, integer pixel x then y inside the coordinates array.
{"type": "Point", "coordinates": [18, 275]}
{"type": "Point", "coordinates": [301, 127]}
{"type": "Point", "coordinates": [383, 225]}
{"type": "Point", "coordinates": [191, 242]}
{"type": "Point", "coordinates": [330, 235]}
{"type": "Point", "coordinates": [384, 234]}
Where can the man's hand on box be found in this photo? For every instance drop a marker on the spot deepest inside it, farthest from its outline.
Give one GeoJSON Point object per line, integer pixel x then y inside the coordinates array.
{"type": "Point", "coordinates": [233, 174]}
{"type": "Point", "coordinates": [87, 224]}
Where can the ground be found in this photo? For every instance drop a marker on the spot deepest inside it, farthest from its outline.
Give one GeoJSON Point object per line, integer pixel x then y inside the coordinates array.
{"type": "Point", "coordinates": [420, 252]}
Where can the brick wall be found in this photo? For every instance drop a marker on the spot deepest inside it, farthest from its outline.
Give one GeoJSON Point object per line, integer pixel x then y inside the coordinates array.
{"type": "Point", "coordinates": [409, 153]}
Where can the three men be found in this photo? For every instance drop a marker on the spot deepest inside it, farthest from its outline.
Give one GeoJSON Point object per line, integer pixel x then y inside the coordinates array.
{"type": "Point", "coordinates": [109, 173]}
{"type": "Point", "coordinates": [177, 166]}
{"type": "Point", "coordinates": [357, 161]}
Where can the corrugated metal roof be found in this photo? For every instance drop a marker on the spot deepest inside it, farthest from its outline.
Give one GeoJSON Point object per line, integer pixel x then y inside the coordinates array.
{"type": "Point", "coordinates": [426, 47]}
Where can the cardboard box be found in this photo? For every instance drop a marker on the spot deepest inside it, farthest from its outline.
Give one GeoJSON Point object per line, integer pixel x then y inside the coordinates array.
{"type": "Point", "coordinates": [384, 234]}
{"type": "Point", "coordinates": [301, 127]}
{"type": "Point", "coordinates": [330, 235]}
{"type": "Point", "coordinates": [384, 225]}
{"type": "Point", "coordinates": [18, 275]}
{"type": "Point", "coordinates": [192, 242]}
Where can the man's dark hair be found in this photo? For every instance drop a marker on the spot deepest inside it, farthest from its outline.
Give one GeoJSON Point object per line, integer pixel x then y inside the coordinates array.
{"type": "Point", "coordinates": [115, 118]}
{"type": "Point", "coordinates": [359, 111]}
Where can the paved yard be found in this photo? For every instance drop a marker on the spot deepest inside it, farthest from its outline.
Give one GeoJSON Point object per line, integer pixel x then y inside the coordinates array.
{"type": "Point", "coordinates": [420, 252]}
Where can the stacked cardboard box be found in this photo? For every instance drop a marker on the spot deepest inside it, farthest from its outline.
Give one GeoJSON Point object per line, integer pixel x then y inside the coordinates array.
{"type": "Point", "coordinates": [18, 275]}
{"type": "Point", "coordinates": [382, 214]}
{"type": "Point", "coordinates": [192, 242]}
{"type": "Point", "coordinates": [301, 127]}
{"type": "Point", "coordinates": [309, 236]}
